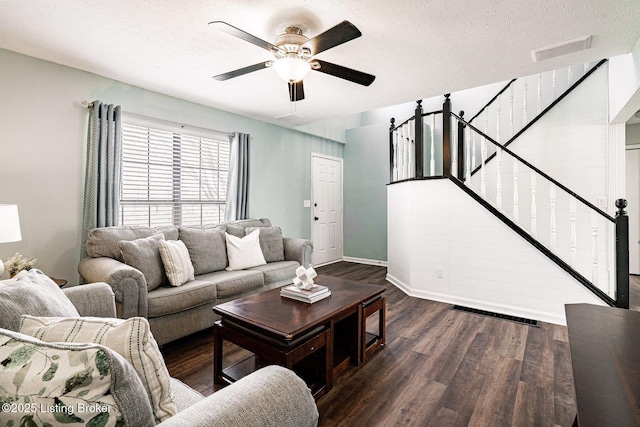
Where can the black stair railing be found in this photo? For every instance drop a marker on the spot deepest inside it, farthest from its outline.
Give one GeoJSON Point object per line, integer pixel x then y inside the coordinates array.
{"type": "Point", "coordinates": [460, 172]}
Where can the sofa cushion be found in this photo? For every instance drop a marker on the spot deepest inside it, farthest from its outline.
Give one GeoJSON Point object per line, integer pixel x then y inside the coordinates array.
{"type": "Point", "coordinates": [32, 293]}
{"type": "Point", "coordinates": [169, 300]}
{"type": "Point", "coordinates": [280, 272]}
{"type": "Point", "coordinates": [231, 283]}
{"type": "Point", "coordinates": [237, 228]}
{"type": "Point", "coordinates": [244, 252]}
{"type": "Point", "coordinates": [271, 242]}
{"type": "Point", "coordinates": [176, 261]}
{"type": "Point", "coordinates": [144, 255]}
{"type": "Point", "coordinates": [207, 247]}
{"type": "Point", "coordinates": [130, 338]}
{"type": "Point", "coordinates": [80, 384]}
{"type": "Point", "coordinates": [104, 241]}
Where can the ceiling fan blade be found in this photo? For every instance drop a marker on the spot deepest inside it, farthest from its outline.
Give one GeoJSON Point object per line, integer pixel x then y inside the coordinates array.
{"type": "Point", "coordinates": [352, 75]}
{"type": "Point", "coordinates": [296, 91]}
{"type": "Point", "coordinates": [237, 32]}
{"type": "Point", "coordinates": [341, 33]}
{"type": "Point", "coordinates": [241, 71]}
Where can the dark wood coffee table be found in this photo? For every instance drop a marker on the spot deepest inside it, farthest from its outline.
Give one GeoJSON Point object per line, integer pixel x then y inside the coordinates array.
{"type": "Point", "coordinates": [317, 340]}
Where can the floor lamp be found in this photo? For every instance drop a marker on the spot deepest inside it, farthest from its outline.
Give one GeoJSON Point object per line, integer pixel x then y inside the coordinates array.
{"type": "Point", "coordinates": [9, 227]}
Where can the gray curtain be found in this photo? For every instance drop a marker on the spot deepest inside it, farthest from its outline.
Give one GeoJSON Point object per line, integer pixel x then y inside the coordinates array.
{"type": "Point", "coordinates": [237, 206]}
{"type": "Point", "coordinates": [102, 172]}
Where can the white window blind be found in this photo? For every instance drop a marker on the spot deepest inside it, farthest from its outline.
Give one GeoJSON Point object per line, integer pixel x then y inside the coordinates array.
{"type": "Point", "coordinates": [172, 177]}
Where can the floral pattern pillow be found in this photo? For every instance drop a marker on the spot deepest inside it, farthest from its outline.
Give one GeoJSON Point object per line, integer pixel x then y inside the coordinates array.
{"type": "Point", "coordinates": [49, 384]}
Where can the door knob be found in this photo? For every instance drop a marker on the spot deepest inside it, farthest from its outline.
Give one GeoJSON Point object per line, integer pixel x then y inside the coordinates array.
{"type": "Point", "coordinates": [315, 218]}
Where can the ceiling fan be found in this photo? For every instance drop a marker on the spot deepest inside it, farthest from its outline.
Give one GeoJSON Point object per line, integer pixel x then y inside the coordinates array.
{"type": "Point", "coordinates": [294, 55]}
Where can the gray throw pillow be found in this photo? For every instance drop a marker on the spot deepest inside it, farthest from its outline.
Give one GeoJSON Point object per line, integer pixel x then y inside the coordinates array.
{"type": "Point", "coordinates": [270, 242]}
{"type": "Point", "coordinates": [207, 248]}
{"type": "Point", "coordinates": [144, 255]}
{"type": "Point", "coordinates": [103, 242]}
{"type": "Point", "coordinates": [35, 294]}
{"type": "Point", "coordinates": [238, 228]}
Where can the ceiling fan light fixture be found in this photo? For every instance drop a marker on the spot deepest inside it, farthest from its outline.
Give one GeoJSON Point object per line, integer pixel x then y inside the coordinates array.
{"type": "Point", "coordinates": [291, 69]}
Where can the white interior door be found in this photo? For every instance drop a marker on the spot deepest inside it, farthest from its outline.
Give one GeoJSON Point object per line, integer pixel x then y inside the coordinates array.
{"type": "Point", "coordinates": [326, 209]}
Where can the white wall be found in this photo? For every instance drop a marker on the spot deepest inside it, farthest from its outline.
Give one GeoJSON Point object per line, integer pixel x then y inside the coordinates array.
{"type": "Point", "coordinates": [624, 85]}
{"type": "Point", "coordinates": [632, 176]}
{"type": "Point", "coordinates": [433, 224]}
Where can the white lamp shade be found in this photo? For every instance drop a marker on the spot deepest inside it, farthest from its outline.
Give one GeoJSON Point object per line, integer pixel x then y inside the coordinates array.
{"type": "Point", "coordinates": [291, 69]}
{"type": "Point", "coordinates": [9, 224]}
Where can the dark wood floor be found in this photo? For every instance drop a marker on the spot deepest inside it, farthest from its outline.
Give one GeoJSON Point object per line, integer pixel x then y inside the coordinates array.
{"type": "Point", "coordinates": [439, 368]}
{"type": "Point", "coordinates": [634, 293]}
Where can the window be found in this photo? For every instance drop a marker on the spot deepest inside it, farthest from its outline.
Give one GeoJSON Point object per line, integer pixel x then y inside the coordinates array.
{"type": "Point", "coordinates": [172, 176]}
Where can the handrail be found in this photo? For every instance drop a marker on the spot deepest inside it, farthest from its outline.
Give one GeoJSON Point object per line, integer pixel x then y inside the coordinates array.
{"type": "Point", "coordinates": [493, 99]}
{"type": "Point", "coordinates": [396, 127]}
{"type": "Point", "coordinates": [535, 169]}
{"type": "Point", "coordinates": [555, 258]}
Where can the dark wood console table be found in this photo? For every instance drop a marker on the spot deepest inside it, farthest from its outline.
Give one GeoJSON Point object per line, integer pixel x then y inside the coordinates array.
{"type": "Point", "coordinates": [605, 355]}
{"type": "Point", "coordinates": [318, 341]}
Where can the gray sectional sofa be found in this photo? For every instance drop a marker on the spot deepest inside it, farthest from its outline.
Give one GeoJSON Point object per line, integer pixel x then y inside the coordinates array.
{"type": "Point", "coordinates": [175, 312]}
{"type": "Point", "coordinates": [271, 396]}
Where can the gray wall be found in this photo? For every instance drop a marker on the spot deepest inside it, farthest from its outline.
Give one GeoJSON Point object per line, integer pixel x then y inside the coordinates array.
{"type": "Point", "coordinates": [366, 175]}
{"type": "Point", "coordinates": [43, 143]}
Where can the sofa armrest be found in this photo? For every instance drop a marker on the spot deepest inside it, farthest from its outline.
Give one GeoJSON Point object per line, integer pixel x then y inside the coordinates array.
{"type": "Point", "coordinates": [128, 283]}
{"type": "Point", "coordinates": [299, 250]}
{"type": "Point", "coordinates": [93, 299]}
{"type": "Point", "coordinates": [271, 396]}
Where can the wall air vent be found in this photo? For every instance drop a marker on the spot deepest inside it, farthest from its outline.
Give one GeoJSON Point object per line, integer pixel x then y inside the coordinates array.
{"type": "Point", "coordinates": [564, 48]}
{"type": "Point", "coordinates": [516, 319]}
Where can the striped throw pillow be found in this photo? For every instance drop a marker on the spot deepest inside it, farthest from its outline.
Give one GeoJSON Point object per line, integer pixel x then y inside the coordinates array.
{"type": "Point", "coordinates": [177, 263]}
{"type": "Point", "coordinates": [131, 338]}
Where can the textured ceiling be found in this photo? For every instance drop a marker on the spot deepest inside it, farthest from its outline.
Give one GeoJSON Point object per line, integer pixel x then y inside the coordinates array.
{"type": "Point", "coordinates": [416, 49]}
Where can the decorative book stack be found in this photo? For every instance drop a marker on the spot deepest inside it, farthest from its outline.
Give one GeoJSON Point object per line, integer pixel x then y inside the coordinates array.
{"type": "Point", "coordinates": [303, 288]}
{"type": "Point", "coordinates": [316, 293]}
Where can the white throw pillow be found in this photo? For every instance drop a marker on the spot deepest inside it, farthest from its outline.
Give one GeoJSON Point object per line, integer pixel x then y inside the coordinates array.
{"type": "Point", "coordinates": [176, 260]}
{"type": "Point", "coordinates": [131, 338]}
{"type": "Point", "coordinates": [244, 252]}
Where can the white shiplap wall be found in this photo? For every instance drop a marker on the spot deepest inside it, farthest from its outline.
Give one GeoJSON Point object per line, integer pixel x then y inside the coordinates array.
{"type": "Point", "coordinates": [434, 225]}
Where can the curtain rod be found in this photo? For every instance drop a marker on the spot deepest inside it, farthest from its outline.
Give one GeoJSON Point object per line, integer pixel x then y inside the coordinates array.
{"type": "Point", "coordinates": [88, 105]}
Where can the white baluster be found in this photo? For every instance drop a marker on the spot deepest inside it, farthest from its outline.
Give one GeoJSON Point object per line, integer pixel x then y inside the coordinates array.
{"type": "Point", "coordinates": [432, 162]}
{"type": "Point", "coordinates": [467, 157]}
{"type": "Point", "coordinates": [525, 118]}
{"type": "Point", "coordinates": [552, 215]}
{"type": "Point", "coordinates": [511, 129]}
{"type": "Point", "coordinates": [539, 102]}
{"type": "Point", "coordinates": [594, 248]}
{"type": "Point", "coordinates": [534, 213]}
{"type": "Point", "coordinates": [569, 76]}
{"type": "Point", "coordinates": [473, 150]}
{"type": "Point", "coordinates": [573, 260]}
{"type": "Point", "coordinates": [498, 108]}
{"type": "Point", "coordinates": [499, 177]}
{"type": "Point", "coordinates": [395, 155]}
{"type": "Point", "coordinates": [553, 85]}
{"type": "Point", "coordinates": [516, 208]}
{"type": "Point", "coordinates": [401, 140]}
{"type": "Point", "coordinates": [586, 68]}
{"type": "Point", "coordinates": [483, 158]}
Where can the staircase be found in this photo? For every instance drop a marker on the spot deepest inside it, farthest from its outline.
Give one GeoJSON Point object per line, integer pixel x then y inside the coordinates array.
{"type": "Point", "coordinates": [583, 239]}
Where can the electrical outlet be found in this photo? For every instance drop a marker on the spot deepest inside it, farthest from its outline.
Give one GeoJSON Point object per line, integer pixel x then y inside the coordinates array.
{"type": "Point", "coordinates": [306, 203]}
{"type": "Point", "coordinates": [439, 273]}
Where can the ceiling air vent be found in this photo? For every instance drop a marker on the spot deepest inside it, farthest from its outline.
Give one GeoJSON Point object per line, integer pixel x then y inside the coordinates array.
{"type": "Point", "coordinates": [583, 43]}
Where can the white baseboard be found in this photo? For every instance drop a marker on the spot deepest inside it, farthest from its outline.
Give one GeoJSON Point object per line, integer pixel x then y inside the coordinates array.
{"type": "Point", "coordinates": [481, 305]}
{"type": "Point", "coordinates": [364, 261]}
